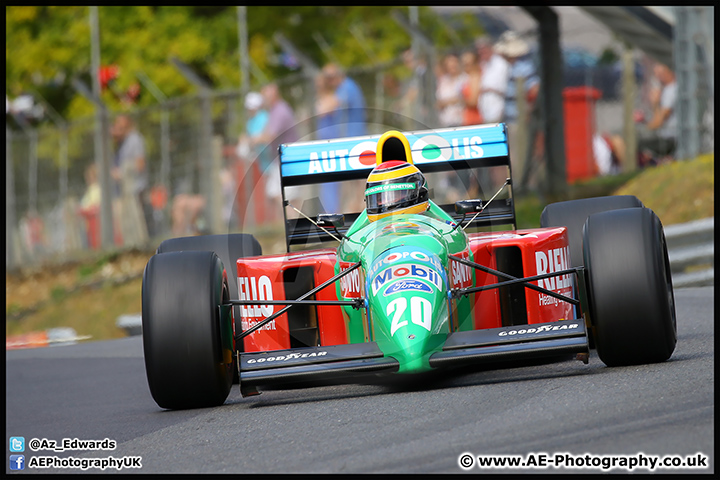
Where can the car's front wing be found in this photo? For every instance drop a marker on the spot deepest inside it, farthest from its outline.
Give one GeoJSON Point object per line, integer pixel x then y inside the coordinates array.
{"type": "Point", "coordinates": [492, 345]}
{"type": "Point", "coordinates": [513, 343]}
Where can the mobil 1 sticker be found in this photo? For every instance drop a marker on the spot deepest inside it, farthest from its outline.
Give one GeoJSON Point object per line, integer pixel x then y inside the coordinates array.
{"type": "Point", "coordinates": [416, 276]}
{"type": "Point", "coordinates": [406, 268]}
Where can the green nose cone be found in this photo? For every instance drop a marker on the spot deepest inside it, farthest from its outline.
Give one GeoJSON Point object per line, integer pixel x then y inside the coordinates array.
{"type": "Point", "coordinates": [410, 325]}
{"type": "Point", "coordinates": [413, 347]}
{"type": "Point", "coordinates": [406, 285]}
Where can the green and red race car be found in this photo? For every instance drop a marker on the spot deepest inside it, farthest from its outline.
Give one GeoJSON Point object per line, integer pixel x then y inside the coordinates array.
{"type": "Point", "coordinates": [407, 290]}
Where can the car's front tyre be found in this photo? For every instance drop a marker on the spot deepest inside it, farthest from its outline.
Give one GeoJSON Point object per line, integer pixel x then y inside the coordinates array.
{"type": "Point", "coordinates": [187, 336]}
{"type": "Point", "coordinates": [632, 305]}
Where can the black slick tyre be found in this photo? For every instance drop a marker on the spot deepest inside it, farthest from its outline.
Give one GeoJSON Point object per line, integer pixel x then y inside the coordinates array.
{"type": "Point", "coordinates": [573, 213]}
{"type": "Point", "coordinates": [187, 337]}
{"type": "Point", "coordinates": [632, 306]}
{"type": "Point", "coordinates": [229, 247]}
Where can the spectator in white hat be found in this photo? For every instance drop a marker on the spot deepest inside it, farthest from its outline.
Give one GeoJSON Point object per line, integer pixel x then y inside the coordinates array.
{"type": "Point", "coordinates": [493, 81]}
{"type": "Point", "coordinates": [515, 50]}
{"type": "Point", "coordinates": [253, 155]}
{"type": "Point", "coordinates": [257, 118]}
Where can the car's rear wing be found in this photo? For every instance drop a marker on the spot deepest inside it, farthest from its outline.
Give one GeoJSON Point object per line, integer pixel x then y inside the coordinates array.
{"type": "Point", "coordinates": [352, 158]}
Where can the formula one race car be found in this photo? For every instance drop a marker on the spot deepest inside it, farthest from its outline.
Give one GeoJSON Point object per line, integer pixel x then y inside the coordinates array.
{"type": "Point", "coordinates": [407, 290]}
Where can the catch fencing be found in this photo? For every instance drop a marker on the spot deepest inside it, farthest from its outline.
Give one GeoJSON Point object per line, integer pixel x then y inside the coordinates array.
{"type": "Point", "coordinates": [691, 251]}
{"type": "Point", "coordinates": [191, 139]}
{"type": "Point", "coordinates": [46, 168]}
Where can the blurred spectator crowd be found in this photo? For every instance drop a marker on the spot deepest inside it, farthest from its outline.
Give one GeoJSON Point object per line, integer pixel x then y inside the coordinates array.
{"type": "Point", "coordinates": [495, 80]}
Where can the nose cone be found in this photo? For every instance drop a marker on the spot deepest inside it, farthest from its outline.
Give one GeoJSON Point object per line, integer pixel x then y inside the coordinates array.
{"type": "Point", "coordinates": [407, 296]}
{"type": "Point", "coordinates": [412, 345]}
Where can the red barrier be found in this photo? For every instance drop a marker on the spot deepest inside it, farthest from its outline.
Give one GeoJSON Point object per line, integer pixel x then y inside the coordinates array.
{"type": "Point", "coordinates": [92, 223]}
{"type": "Point", "coordinates": [579, 110]}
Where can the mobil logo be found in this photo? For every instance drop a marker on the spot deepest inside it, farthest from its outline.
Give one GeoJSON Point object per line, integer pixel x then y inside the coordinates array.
{"type": "Point", "coordinates": [553, 260]}
{"type": "Point", "coordinates": [411, 284]}
{"type": "Point", "coordinates": [406, 272]}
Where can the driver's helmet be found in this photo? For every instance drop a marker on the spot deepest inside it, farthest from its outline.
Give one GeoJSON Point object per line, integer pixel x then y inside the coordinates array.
{"type": "Point", "coordinates": [395, 187]}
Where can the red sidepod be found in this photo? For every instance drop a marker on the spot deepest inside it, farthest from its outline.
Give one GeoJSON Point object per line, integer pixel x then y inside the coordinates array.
{"type": "Point", "coordinates": [526, 253]}
{"type": "Point", "coordinates": [521, 253]}
{"type": "Point", "coordinates": [287, 276]}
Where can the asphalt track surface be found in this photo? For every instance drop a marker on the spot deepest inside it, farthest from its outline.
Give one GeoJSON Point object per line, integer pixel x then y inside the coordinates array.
{"type": "Point", "coordinates": [98, 390]}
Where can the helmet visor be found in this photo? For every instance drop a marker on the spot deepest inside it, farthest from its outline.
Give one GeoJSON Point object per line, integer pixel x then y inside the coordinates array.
{"type": "Point", "coordinates": [383, 198]}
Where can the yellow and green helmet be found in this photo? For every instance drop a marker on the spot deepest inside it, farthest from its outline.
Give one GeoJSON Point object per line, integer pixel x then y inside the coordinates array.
{"type": "Point", "coordinates": [395, 187]}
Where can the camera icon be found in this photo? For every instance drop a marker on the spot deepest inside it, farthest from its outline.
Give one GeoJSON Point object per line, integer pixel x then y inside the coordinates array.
{"type": "Point", "coordinates": [17, 444]}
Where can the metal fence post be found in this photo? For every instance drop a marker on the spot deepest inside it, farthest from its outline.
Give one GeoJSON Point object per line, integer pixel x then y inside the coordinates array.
{"type": "Point", "coordinates": [10, 223]}
{"type": "Point", "coordinates": [215, 164]}
{"type": "Point", "coordinates": [205, 158]}
{"type": "Point", "coordinates": [165, 155]}
{"type": "Point", "coordinates": [164, 134]}
{"type": "Point", "coordinates": [206, 129]}
{"type": "Point", "coordinates": [64, 163]}
{"type": "Point", "coordinates": [32, 169]}
{"type": "Point", "coordinates": [244, 55]}
{"type": "Point", "coordinates": [379, 97]}
{"type": "Point", "coordinates": [629, 92]}
{"type": "Point", "coordinates": [522, 139]}
{"type": "Point", "coordinates": [101, 129]}
{"type": "Point", "coordinates": [63, 181]}
{"type": "Point", "coordinates": [425, 116]}
{"type": "Point", "coordinates": [551, 80]}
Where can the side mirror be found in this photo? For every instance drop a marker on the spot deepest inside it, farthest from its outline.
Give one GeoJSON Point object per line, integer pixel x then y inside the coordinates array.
{"type": "Point", "coordinates": [468, 206]}
{"type": "Point", "coordinates": [334, 220]}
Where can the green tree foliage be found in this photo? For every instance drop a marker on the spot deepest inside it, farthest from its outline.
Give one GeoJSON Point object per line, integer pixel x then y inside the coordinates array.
{"type": "Point", "coordinates": [48, 46]}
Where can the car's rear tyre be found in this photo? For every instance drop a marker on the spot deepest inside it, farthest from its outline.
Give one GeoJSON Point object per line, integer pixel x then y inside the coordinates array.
{"type": "Point", "coordinates": [228, 247]}
{"type": "Point", "coordinates": [632, 306]}
{"type": "Point", "coordinates": [187, 338]}
{"type": "Point", "coordinates": [573, 213]}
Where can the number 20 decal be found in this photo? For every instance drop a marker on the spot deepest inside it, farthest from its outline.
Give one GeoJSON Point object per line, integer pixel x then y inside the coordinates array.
{"type": "Point", "coordinates": [420, 313]}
